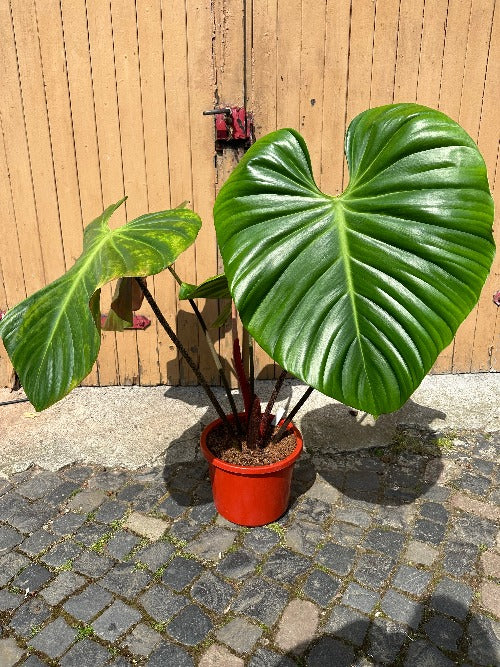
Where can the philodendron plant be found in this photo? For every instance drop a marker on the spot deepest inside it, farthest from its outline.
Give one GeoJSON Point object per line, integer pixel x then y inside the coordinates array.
{"type": "Point", "coordinates": [355, 294]}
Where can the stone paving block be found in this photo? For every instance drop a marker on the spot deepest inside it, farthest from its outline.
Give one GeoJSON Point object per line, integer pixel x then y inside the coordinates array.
{"type": "Point", "coordinates": [355, 516]}
{"type": "Point", "coordinates": [429, 531]}
{"type": "Point", "coordinates": [142, 640]}
{"type": "Point", "coordinates": [61, 493]}
{"type": "Point", "coordinates": [34, 661]}
{"type": "Point", "coordinates": [39, 485]}
{"type": "Point", "coordinates": [191, 626]}
{"type": "Point", "coordinates": [328, 652]}
{"type": "Point", "coordinates": [481, 509]}
{"type": "Point", "coordinates": [85, 653]}
{"type": "Point", "coordinates": [240, 635]}
{"type": "Point", "coordinates": [348, 624]}
{"type": "Point", "coordinates": [150, 497]}
{"type": "Point", "coordinates": [54, 639]}
{"type": "Point", "coordinates": [111, 510]}
{"type": "Point", "coordinates": [126, 581]}
{"type": "Point", "coordinates": [130, 492]}
{"type": "Point", "coordinates": [77, 472]}
{"type": "Point", "coordinates": [10, 652]}
{"type": "Point", "coordinates": [484, 640]}
{"type": "Point", "coordinates": [67, 524]}
{"type": "Point", "coordinates": [490, 597]}
{"type": "Point", "coordinates": [402, 609]}
{"type": "Point", "coordinates": [37, 542]}
{"type": "Point", "coordinates": [491, 563]}
{"type": "Point", "coordinates": [373, 569]}
{"type": "Point", "coordinates": [434, 511]}
{"type": "Point", "coordinates": [443, 632]}
{"type": "Point", "coordinates": [10, 503]}
{"type": "Point", "coordinates": [346, 534]}
{"type": "Point", "coordinates": [460, 558]}
{"type": "Point", "coordinates": [155, 555]}
{"type": "Point", "coordinates": [121, 544]}
{"type": "Point", "coordinates": [304, 537]}
{"type": "Point", "coordinates": [88, 603]}
{"type": "Point", "coordinates": [115, 621]}
{"type": "Point", "coordinates": [33, 613]}
{"type": "Point", "coordinates": [265, 658]}
{"type": "Point", "coordinates": [237, 564]}
{"type": "Point", "coordinates": [420, 552]}
{"type": "Point", "coordinates": [297, 626]}
{"type": "Point", "coordinates": [91, 533]}
{"type": "Point", "coordinates": [423, 654]}
{"type": "Point", "coordinates": [476, 484]}
{"type": "Point", "coordinates": [385, 639]}
{"type": "Point", "coordinates": [218, 656]}
{"type": "Point", "coordinates": [261, 540]}
{"type": "Point", "coordinates": [181, 572]}
{"type": "Point", "coordinates": [261, 600]}
{"type": "Point", "coordinates": [63, 585]}
{"type": "Point", "coordinates": [174, 505]}
{"type": "Point", "coordinates": [285, 566]}
{"type": "Point", "coordinates": [92, 564]}
{"type": "Point", "coordinates": [452, 598]}
{"type": "Point", "coordinates": [61, 553]}
{"type": "Point", "coordinates": [336, 557]}
{"type": "Point", "coordinates": [10, 564]}
{"type": "Point", "coordinates": [109, 480]}
{"type": "Point", "coordinates": [360, 598]}
{"type": "Point", "coordinates": [212, 592]}
{"type": "Point", "coordinates": [212, 543]}
{"type": "Point", "coordinates": [474, 530]}
{"type": "Point", "coordinates": [388, 542]}
{"type": "Point", "coordinates": [170, 654]}
{"type": "Point", "coordinates": [9, 600]}
{"type": "Point", "coordinates": [313, 510]}
{"type": "Point", "coordinates": [146, 526]}
{"type": "Point", "coordinates": [321, 587]}
{"type": "Point", "coordinates": [161, 604]}
{"type": "Point", "coordinates": [31, 517]}
{"type": "Point", "coordinates": [203, 513]}
{"type": "Point", "coordinates": [33, 577]}
{"type": "Point", "coordinates": [9, 538]}
{"type": "Point", "coordinates": [411, 580]}
{"type": "Point", "coordinates": [185, 529]}
{"type": "Point", "coordinates": [86, 501]}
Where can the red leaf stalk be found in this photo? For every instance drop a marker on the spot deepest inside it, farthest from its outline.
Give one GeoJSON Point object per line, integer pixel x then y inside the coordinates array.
{"type": "Point", "coordinates": [242, 378]}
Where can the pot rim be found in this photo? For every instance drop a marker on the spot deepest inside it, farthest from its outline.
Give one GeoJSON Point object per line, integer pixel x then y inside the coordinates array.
{"type": "Point", "coordinates": [250, 470]}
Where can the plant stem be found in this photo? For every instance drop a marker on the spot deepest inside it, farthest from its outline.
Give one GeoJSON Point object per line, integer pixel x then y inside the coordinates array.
{"type": "Point", "coordinates": [266, 417]}
{"type": "Point", "coordinates": [251, 367]}
{"type": "Point", "coordinates": [292, 414]}
{"type": "Point", "coordinates": [214, 354]}
{"type": "Point", "coordinates": [173, 337]}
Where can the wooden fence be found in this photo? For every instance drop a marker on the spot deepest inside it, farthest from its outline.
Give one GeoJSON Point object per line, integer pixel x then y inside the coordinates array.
{"type": "Point", "coordinates": [102, 98]}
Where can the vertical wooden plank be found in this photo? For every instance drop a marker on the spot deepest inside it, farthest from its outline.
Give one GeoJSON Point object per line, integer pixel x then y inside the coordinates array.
{"type": "Point", "coordinates": [38, 136]}
{"type": "Point", "coordinates": [201, 89]}
{"type": "Point", "coordinates": [289, 25]}
{"type": "Point", "coordinates": [431, 53]}
{"type": "Point", "coordinates": [177, 101]}
{"type": "Point", "coordinates": [312, 80]}
{"type": "Point", "coordinates": [338, 23]}
{"type": "Point", "coordinates": [108, 136]}
{"type": "Point", "coordinates": [384, 52]}
{"type": "Point", "coordinates": [487, 336]}
{"type": "Point", "coordinates": [470, 113]}
{"type": "Point", "coordinates": [150, 40]}
{"type": "Point", "coordinates": [128, 88]}
{"type": "Point", "coordinates": [408, 51]}
{"type": "Point", "coordinates": [263, 101]}
{"type": "Point", "coordinates": [55, 77]}
{"type": "Point", "coordinates": [5, 365]}
{"type": "Point", "coordinates": [457, 28]}
{"type": "Point", "coordinates": [360, 58]}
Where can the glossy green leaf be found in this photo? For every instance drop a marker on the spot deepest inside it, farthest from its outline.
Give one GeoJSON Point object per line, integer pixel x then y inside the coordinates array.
{"type": "Point", "coordinates": [53, 336]}
{"type": "Point", "coordinates": [212, 288]}
{"type": "Point", "coordinates": [357, 294]}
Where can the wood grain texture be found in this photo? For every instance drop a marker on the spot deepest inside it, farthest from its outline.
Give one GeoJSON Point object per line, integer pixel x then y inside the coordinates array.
{"type": "Point", "coordinates": [105, 98]}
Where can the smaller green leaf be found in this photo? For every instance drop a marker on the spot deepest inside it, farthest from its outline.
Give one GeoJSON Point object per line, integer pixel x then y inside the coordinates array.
{"type": "Point", "coordinates": [212, 288]}
{"type": "Point", "coordinates": [128, 297]}
{"type": "Point", "coordinates": [224, 315]}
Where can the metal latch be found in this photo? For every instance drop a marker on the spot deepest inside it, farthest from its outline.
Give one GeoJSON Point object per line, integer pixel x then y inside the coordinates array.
{"type": "Point", "coordinates": [233, 126]}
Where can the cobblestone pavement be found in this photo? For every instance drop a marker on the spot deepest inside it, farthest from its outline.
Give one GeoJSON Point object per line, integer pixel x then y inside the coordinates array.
{"type": "Point", "coordinates": [386, 557]}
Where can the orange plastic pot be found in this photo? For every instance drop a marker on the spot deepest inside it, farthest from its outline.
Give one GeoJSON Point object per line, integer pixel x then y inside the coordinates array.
{"type": "Point", "coordinates": [250, 495]}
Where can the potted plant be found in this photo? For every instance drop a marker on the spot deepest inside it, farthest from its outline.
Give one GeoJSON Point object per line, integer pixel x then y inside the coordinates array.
{"type": "Point", "coordinates": [356, 295]}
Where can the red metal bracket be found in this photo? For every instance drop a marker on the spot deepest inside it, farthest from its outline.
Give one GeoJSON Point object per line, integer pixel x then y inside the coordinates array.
{"type": "Point", "coordinates": [233, 126]}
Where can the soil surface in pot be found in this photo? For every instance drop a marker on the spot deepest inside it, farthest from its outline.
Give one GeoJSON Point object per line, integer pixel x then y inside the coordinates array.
{"type": "Point", "coordinates": [224, 446]}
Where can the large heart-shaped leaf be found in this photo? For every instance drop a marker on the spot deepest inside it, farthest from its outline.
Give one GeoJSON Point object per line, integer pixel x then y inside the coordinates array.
{"type": "Point", "coordinates": [53, 337]}
{"type": "Point", "coordinates": [357, 294]}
